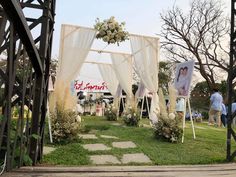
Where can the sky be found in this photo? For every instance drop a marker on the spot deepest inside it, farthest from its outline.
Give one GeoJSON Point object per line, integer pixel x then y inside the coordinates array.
{"type": "Point", "coordinates": [141, 16]}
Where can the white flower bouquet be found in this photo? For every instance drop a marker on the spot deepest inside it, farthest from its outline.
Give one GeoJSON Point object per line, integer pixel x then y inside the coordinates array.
{"type": "Point", "coordinates": [168, 126]}
{"type": "Point", "coordinates": [111, 113]}
{"type": "Point", "coordinates": [131, 117]}
{"type": "Point", "coordinates": [111, 31]}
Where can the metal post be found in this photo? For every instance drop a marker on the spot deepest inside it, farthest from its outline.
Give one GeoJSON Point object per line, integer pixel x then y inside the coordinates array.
{"type": "Point", "coordinates": [9, 95]}
{"type": "Point", "coordinates": [230, 80]}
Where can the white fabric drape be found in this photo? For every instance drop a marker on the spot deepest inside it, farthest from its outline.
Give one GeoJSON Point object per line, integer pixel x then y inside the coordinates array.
{"type": "Point", "coordinates": [74, 47]}
{"type": "Point", "coordinates": [109, 77]}
{"type": "Point", "coordinates": [122, 65]}
{"type": "Point", "coordinates": [50, 84]}
{"type": "Point", "coordinates": [141, 92]}
{"type": "Point", "coordinates": [145, 51]}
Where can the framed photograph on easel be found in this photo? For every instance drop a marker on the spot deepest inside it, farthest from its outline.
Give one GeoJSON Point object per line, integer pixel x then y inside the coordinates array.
{"type": "Point", "coordinates": [182, 83]}
{"type": "Point", "coordinates": [183, 78]}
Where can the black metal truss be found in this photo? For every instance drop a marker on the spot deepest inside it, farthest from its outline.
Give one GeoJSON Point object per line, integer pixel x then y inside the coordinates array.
{"type": "Point", "coordinates": [231, 76]}
{"type": "Point", "coordinates": [32, 51]}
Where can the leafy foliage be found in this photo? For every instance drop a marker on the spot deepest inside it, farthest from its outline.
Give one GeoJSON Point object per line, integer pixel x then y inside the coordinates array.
{"type": "Point", "coordinates": [164, 75]}
{"type": "Point", "coordinates": [25, 157]}
{"type": "Point", "coordinates": [201, 93]}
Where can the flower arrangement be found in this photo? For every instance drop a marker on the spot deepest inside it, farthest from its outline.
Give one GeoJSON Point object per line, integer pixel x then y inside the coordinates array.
{"type": "Point", "coordinates": [131, 117]}
{"type": "Point", "coordinates": [167, 128]}
{"type": "Point", "coordinates": [111, 113]}
{"type": "Point", "coordinates": [111, 31]}
{"type": "Point", "coordinates": [65, 125]}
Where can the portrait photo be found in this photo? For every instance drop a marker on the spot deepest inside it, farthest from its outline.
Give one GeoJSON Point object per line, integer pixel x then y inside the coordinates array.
{"type": "Point", "coordinates": [183, 77]}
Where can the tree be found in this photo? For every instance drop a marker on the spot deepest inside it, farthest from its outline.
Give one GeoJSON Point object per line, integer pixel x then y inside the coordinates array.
{"type": "Point", "coordinates": [200, 94]}
{"type": "Point", "coordinates": [200, 34]}
{"type": "Point", "coordinates": [164, 75]}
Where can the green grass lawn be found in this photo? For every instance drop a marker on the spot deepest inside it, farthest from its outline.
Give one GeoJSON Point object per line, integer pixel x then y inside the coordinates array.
{"type": "Point", "coordinates": [209, 146]}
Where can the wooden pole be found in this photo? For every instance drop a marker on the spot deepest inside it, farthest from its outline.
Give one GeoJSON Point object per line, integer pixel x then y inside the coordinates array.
{"type": "Point", "coordinates": [187, 103]}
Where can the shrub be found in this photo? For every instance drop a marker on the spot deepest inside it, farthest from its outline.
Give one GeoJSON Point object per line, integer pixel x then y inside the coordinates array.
{"type": "Point", "coordinates": [205, 115]}
{"type": "Point", "coordinates": [168, 129]}
{"type": "Point", "coordinates": [131, 117]}
{"type": "Point", "coordinates": [111, 113]}
{"type": "Point", "coordinates": [65, 125]}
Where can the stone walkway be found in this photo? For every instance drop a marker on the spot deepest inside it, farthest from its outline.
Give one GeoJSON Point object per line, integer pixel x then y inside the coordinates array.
{"type": "Point", "coordinates": [88, 136]}
{"type": "Point", "coordinates": [110, 159]}
{"type": "Point", "coordinates": [104, 159]}
{"type": "Point", "coordinates": [47, 150]}
{"type": "Point", "coordinates": [124, 144]}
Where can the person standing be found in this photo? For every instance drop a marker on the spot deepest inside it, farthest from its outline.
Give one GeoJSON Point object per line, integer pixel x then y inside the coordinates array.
{"type": "Point", "coordinates": [103, 107]}
{"type": "Point", "coordinates": [180, 107]}
{"type": "Point", "coordinates": [223, 115]}
{"type": "Point", "coordinates": [215, 108]}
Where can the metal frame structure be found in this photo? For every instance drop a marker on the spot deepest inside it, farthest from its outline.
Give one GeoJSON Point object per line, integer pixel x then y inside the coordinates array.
{"type": "Point", "coordinates": [26, 32]}
{"type": "Point", "coordinates": [231, 76]}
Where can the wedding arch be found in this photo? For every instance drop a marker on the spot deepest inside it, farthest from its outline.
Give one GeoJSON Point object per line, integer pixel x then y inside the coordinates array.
{"type": "Point", "coordinates": [75, 46]}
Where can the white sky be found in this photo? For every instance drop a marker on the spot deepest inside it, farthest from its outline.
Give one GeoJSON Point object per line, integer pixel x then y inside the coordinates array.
{"type": "Point", "coordinates": [141, 16]}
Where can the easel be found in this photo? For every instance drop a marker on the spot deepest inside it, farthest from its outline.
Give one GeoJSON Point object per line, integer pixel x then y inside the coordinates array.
{"type": "Point", "coordinates": [146, 99]}
{"type": "Point", "coordinates": [50, 90]}
{"type": "Point", "coordinates": [187, 103]}
{"type": "Point", "coordinates": [49, 123]}
{"type": "Point", "coordinates": [121, 100]}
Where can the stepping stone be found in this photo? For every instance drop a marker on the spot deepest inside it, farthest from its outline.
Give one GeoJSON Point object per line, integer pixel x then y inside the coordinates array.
{"type": "Point", "coordinates": [104, 159]}
{"type": "Point", "coordinates": [147, 125]}
{"type": "Point", "coordinates": [48, 150]}
{"type": "Point", "coordinates": [203, 128]}
{"type": "Point", "coordinates": [96, 147]}
{"type": "Point", "coordinates": [108, 137]}
{"type": "Point", "coordinates": [116, 124]}
{"type": "Point", "coordinates": [136, 158]}
{"type": "Point", "coordinates": [217, 129]}
{"type": "Point", "coordinates": [88, 136]}
{"type": "Point", "coordinates": [124, 144]}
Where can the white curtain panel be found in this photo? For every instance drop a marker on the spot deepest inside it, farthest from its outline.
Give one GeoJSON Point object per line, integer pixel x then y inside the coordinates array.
{"type": "Point", "coordinates": [109, 76]}
{"type": "Point", "coordinates": [74, 47]}
{"type": "Point", "coordinates": [50, 84]}
{"type": "Point", "coordinates": [75, 44]}
{"type": "Point", "coordinates": [122, 65]}
{"type": "Point", "coordinates": [145, 51]}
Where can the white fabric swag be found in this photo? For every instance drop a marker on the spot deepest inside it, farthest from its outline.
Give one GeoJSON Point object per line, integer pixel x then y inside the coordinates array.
{"type": "Point", "coordinates": [122, 65]}
{"type": "Point", "coordinates": [74, 47]}
{"type": "Point", "coordinates": [109, 77]}
{"type": "Point", "coordinates": [145, 51]}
